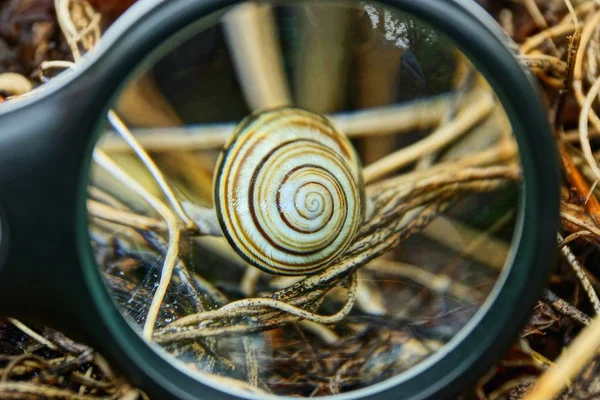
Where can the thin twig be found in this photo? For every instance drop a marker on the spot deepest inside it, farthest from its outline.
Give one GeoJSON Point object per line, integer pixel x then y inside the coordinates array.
{"type": "Point", "coordinates": [499, 153]}
{"type": "Point", "coordinates": [11, 389]}
{"type": "Point", "coordinates": [439, 284]}
{"type": "Point", "coordinates": [574, 236]}
{"type": "Point", "coordinates": [572, 54]}
{"type": "Point", "coordinates": [126, 134]}
{"type": "Point", "coordinates": [565, 308]}
{"type": "Point", "coordinates": [586, 36]}
{"type": "Point", "coordinates": [565, 216]}
{"type": "Point", "coordinates": [252, 37]}
{"type": "Point", "coordinates": [416, 115]}
{"type": "Point", "coordinates": [579, 183]}
{"type": "Point", "coordinates": [171, 257]}
{"type": "Point", "coordinates": [585, 282]}
{"type": "Point", "coordinates": [583, 129]}
{"type": "Point", "coordinates": [535, 41]}
{"type": "Point", "coordinates": [437, 140]}
{"type": "Point", "coordinates": [125, 218]}
{"type": "Point", "coordinates": [246, 305]}
{"type": "Point", "coordinates": [536, 14]}
{"type": "Point", "coordinates": [30, 332]}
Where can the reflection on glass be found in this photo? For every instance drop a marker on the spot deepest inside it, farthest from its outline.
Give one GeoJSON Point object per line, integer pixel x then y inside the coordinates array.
{"type": "Point", "coordinates": [342, 250]}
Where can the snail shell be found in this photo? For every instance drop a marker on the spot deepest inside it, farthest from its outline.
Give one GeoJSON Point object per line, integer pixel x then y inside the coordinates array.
{"type": "Point", "coordinates": [289, 193]}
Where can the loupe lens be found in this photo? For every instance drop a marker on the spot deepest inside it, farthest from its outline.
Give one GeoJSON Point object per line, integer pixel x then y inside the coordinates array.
{"type": "Point", "coordinates": [365, 206]}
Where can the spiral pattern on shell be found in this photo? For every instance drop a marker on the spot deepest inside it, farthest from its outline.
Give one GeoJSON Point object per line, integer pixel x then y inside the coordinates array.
{"type": "Point", "coordinates": [289, 191]}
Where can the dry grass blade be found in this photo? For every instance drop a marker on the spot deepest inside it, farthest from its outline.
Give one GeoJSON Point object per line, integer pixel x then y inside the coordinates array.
{"type": "Point", "coordinates": [437, 140]}
{"type": "Point", "coordinates": [379, 121]}
{"type": "Point", "coordinates": [583, 128]}
{"type": "Point", "coordinates": [566, 309]}
{"type": "Point", "coordinates": [80, 25]}
{"type": "Point", "coordinates": [107, 213]}
{"type": "Point", "coordinates": [169, 264]}
{"type": "Point", "coordinates": [536, 14]}
{"type": "Point", "coordinates": [10, 390]}
{"type": "Point", "coordinates": [32, 333]}
{"type": "Point", "coordinates": [577, 268]}
{"type": "Point", "coordinates": [126, 134]}
{"type": "Point", "coordinates": [253, 40]}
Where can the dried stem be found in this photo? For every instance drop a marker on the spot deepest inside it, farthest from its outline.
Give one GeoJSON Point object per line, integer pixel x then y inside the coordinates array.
{"type": "Point", "coordinates": [253, 41]}
{"type": "Point", "coordinates": [9, 390]}
{"type": "Point", "coordinates": [439, 284]}
{"type": "Point", "coordinates": [437, 140]}
{"type": "Point", "coordinates": [169, 263]}
{"type": "Point", "coordinates": [81, 33]}
{"type": "Point", "coordinates": [396, 119]}
{"type": "Point", "coordinates": [555, 31]}
{"type": "Point", "coordinates": [535, 13]}
{"type": "Point", "coordinates": [125, 218]}
{"type": "Point", "coordinates": [585, 282]}
{"type": "Point", "coordinates": [566, 309]}
{"type": "Point", "coordinates": [32, 333]}
{"type": "Point", "coordinates": [126, 134]}
{"type": "Point", "coordinates": [583, 128]}
{"type": "Point", "coordinates": [579, 183]}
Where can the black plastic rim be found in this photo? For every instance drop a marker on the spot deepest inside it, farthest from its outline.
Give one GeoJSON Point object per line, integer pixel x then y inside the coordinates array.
{"type": "Point", "coordinates": [4, 236]}
{"type": "Point", "coordinates": [489, 333]}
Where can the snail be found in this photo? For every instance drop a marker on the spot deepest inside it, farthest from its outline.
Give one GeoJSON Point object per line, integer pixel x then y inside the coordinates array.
{"type": "Point", "coordinates": [289, 192]}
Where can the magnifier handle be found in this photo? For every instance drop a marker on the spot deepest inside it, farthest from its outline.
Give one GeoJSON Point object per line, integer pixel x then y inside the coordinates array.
{"type": "Point", "coordinates": [41, 154]}
{"type": "Point", "coordinates": [45, 140]}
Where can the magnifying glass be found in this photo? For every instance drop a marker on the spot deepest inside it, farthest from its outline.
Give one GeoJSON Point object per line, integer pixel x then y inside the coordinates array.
{"type": "Point", "coordinates": [271, 199]}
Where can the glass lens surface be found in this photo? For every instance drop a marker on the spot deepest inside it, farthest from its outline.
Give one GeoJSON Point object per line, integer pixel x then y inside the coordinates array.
{"type": "Point", "coordinates": [303, 199]}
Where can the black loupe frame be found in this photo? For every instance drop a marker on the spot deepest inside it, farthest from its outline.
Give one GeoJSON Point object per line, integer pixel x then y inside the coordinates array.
{"type": "Point", "coordinates": [47, 270]}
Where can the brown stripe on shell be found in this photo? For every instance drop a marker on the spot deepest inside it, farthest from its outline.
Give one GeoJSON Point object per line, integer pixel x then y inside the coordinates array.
{"type": "Point", "coordinates": [259, 226]}
{"type": "Point", "coordinates": [283, 217]}
{"type": "Point", "coordinates": [254, 131]}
